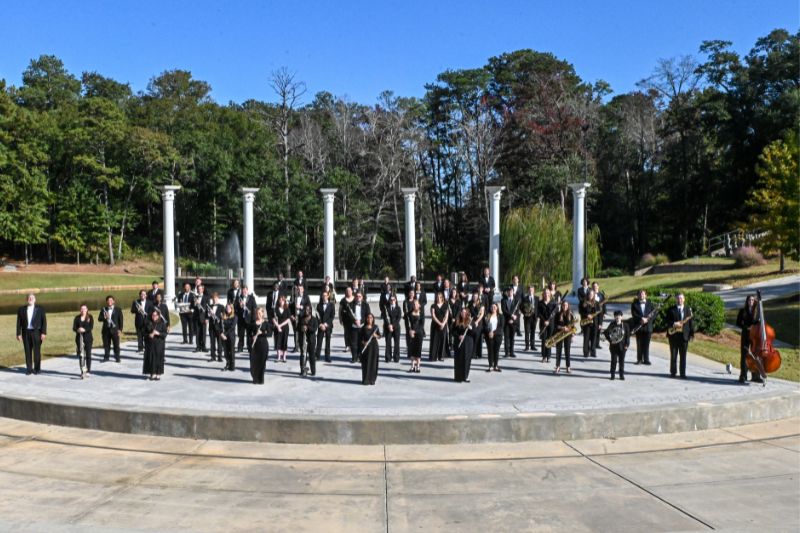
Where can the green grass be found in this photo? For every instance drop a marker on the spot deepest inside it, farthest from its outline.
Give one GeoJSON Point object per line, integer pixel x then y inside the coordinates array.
{"type": "Point", "coordinates": [625, 287]}
{"type": "Point", "coordinates": [783, 315]}
{"type": "Point", "coordinates": [41, 280]}
{"type": "Point", "coordinates": [60, 339]}
{"type": "Point", "coordinates": [705, 260]}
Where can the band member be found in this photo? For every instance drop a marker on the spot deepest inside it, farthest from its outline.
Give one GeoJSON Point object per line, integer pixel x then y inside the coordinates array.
{"type": "Point", "coordinates": [228, 335]}
{"type": "Point", "coordinates": [272, 299]}
{"type": "Point", "coordinates": [111, 318]}
{"type": "Point", "coordinates": [618, 335]}
{"type": "Point", "coordinates": [368, 348]}
{"type": "Point", "coordinates": [486, 297]}
{"type": "Point", "coordinates": [463, 346]}
{"type": "Point", "coordinates": [245, 315]}
{"type": "Point", "coordinates": [215, 328]}
{"type": "Point", "coordinates": [197, 283]}
{"type": "Point", "coordinates": [587, 309]}
{"type": "Point", "coordinates": [748, 316]}
{"type": "Point", "coordinates": [679, 316]}
{"type": "Point", "coordinates": [299, 281]}
{"type": "Point", "coordinates": [308, 326]}
{"type": "Point", "coordinates": [283, 317]}
{"type": "Point", "coordinates": [283, 286]}
{"type": "Point", "coordinates": [411, 284]}
{"type": "Point", "coordinates": [386, 294]}
{"type": "Point", "coordinates": [346, 315]}
{"type": "Point", "coordinates": [440, 317]}
{"type": "Point", "coordinates": [600, 298]}
{"type": "Point", "coordinates": [528, 306]}
{"type": "Point", "coordinates": [446, 290]}
{"type": "Point", "coordinates": [564, 322]}
{"type": "Point", "coordinates": [155, 340]}
{"type": "Point", "coordinates": [163, 310]}
{"type": "Point", "coordinates": [420, 294]}
{"type": "Point", "coordinates": [477, 310]}
{"type": "Point", "coordinates": [201, 303]}
{"type": "Point", "coordinates": [82, 325]}
{"type": "Point", "coordinates": [153, 292]}
{"type": "Point", "coordinates": [185, 304]}
{"type": "Point", "coordinates": [327, 286]}
{"type": "Point", "coordinates": [415, 334]}
{"type": "Point", "coordinates": [454, 306]}
{"type": "Point", "coordinates": [488, 282]}
{"type": "Point", "coordinates": [325, 315]}
{"type": "Point", "coordinates": [259, 349]}
{"type": "Point", "coordinates": [140, 309]}
{"type": "Point", "coordinates": [517, 292]}
{"type": "Point", "coordinates": [32, 330]}
{"type": "Point", "coordinates": [547, 312]}
{"type": "Point", "coordinates": [359, 309]}
{"type": "Point", "coordinates": [583, 290]}
{"type": "Point", "coordinates": [391, 328]}
{"type": "Point", "coordinates": [509, 307]}
{"type": "Point", "coordinates": [299, 303]}
{"type": "Point", "coordinates": [640, 310]}
{"type": "Point", "coordinates": [463, 287]}
{"type": "Point", "coordinates": [232, 297]}
{"type": "Point", "coordinates": [358, 286]}
{"type": "Point", "coordinates": [557, 296]}
{"type": "Point", "coordinates": [493, 333]}
{"type": "Point", "coordinates": [438, 285]}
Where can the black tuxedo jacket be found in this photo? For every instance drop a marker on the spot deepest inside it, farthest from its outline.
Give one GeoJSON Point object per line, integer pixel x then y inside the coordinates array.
{"type": "Point", "coordinates": [151, 295]}
{"type": "Point", "coordinates": [393, 317]}
{"type": "Point", "coordinates": [38, 320]}
{"type": "Point", "coordinates": [488, 283]}
{"type": "Point", "coordinates": [637, 315]}
{"type": "Point", "coordinates": [140, 321]}
{"type": "Point", "coordinates": [674, 316]}
{"type": "Point", "coordinates": [116, 317]}
{"type": "Point", "coordinates": [233, 296]}
{"type": "Point", "coordinates": [328, 315]}
{"type": "Point", "coordinates": [364, 311]}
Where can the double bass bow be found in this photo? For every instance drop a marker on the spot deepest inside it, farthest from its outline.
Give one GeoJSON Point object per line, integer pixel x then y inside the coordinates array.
{"type": "Point", "coordinates": [762, 357]}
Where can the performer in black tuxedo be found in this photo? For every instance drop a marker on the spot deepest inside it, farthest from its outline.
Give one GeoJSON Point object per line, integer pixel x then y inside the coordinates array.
{"type": "Point", "coordinates": [299, 281]}
{"type": "Point", "coordinates": [464, 348]}
{"type": "Point", "coordinates": [391, 329]}
{"type": "Point", "coordinates": [618, 335]}
{"type": "Point", "coordinates": [215, 328]}
{"type": "Point", "coordinates": [528, 307]}
{"type": "Point", "coordinates": [307, 326]}
{"type": "Point", "coordinates": [111, 318]}
{"type": "Point", "coordinates": [517, 292]}
{"type": "Point", "coordinates": [509, 307]}
{"type": "Point", "coordinates": [299, 303]}
{"type": "Point", "coordinates": [488, 283]}
{"type": "Point", "coordinates": [151, 294]}
{"type": "Point", "coordinates": [440, 320]}
{"type": "Point", "coordinates": [140, 309]}
{"type": "Point", "coordinates": [31, 331]}
{"type": "Point", "coordinates": [326, 312]}
{"type": "Point", "coordinates": [600, 298]}
{"type": "Point", "coordinates": [245, 315]}
{"type": "Point", "coordinates": [272, 299]}
{"type": "Point", "coordinates": [463, 288]}
{"type": "Point", "coordinates": [327, 286]}
{"type": "Point", "coordinates": [411, 284]}
{"type": "Point", "coordinates": [438, 285]}
{"type": "Point", "coordinates": [679, 316]}
{"type": "Point", "coordinates": [747, 317]}
{"type": "Point", "coordinates": [185, 304]}
{"type": "Point", "coordinates": [493, 325]}
{"type": "Point", "coordinates": [583, 290]}
{"type": "Point", "coordinates": [386, 293]}
{"type": "Point", "coordinates": [200, 309]}
{"type": "Point", "coordinates": [359, 309]}
{"type": "Point", "coordinates": [454, 305]}
{"type": "Point", "coordinates": [547, 313]}
{"type": "Point", "coordinates": [640, 310]}
{"type": "Point", "coordinates": [346, 315]}
{"type": "Point", "coordinates": [234, 293]}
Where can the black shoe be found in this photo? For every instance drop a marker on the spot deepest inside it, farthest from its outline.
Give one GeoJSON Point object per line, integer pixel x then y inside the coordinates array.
{"type": "Point", "coordinates": [327, 360]}
{"type": "Point", "coordinates": [119, 360]}
{"type": "Point", "coordinates": [497, 369]}
{"type": "Point", "coordinates": [105, 359]}
{"type": "Point", "coordinates": [647, 363]}
{"type": "Point", "coordinates": [513, 356]}
{"type": "Point", "coordinates": [637, 363]}
{"type": "Point", "coordinates": [410, 370]}
{"type": "Point", "coordinates": [466, 381]}
{"type": "Point", "coordinates": [612, 378]}
{"type": "Point", "coordinates": [28, 372]}
{"type": "Point", "coordinates": [622, 378]}
{"type": "Point", "coordinates": [742, 380]}
{"type": "Point", "coordinates": [489, 369]}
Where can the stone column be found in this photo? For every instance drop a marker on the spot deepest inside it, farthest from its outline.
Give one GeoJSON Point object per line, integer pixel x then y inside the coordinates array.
{"type": "Point", "coordinates": [249, 196]}
{"type": "Point", "coordinates": [410, 195]}
{"type": "Point", "coordinates": [578, 233]}
{"type": "Point", "coordinates": [328, 197]}
{"type": "Point", "coordinates": [494, 234]}
{"type": "Point", "coordinates": [168, 207]}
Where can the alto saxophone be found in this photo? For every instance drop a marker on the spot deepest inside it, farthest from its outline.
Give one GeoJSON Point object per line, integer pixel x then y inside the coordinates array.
{"type": "Point", "coordinates": [679, 328]}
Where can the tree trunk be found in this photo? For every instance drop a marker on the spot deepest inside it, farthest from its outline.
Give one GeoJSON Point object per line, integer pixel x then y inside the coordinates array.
{"type": "Point", "coordinates": [782, 261]}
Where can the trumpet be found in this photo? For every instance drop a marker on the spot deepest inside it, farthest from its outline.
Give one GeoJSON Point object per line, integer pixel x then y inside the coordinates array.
{"type": "Point", "coordinates": [559, 336]}
{"type": "Point", "coordinates": [679, 328]}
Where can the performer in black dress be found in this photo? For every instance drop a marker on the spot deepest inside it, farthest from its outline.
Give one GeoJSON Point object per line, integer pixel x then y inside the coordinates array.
{"type": "Point", "coordinates": [201, 302]}
{"type": "Point", "coordinates": [454, 306]}
{"type": "Point", "coordinates": [369, 348]}
{"type": "Point", "coordinates": [300, 301]}
{"type": "Point", "coordinates": [346, 315]}
{"type": "Point", "coordinates": [463, 288]}
{"type": "Point", "coordinates": [493, 333]}
{"type": "Point", "coordinates": [463, 345]}
{"type": "Point", "coordinates": [415, 334]}
{"type": "Point", "coordinates": [245, 315]}
{"type": "Point", "coordinates": [747, 317]}
{"type": "Point", "coordinates": [391, 328]}
{"type": "Point", "coordinates": [259, 350]}
{"type": "Point", "coordinates": [325, 315]}
{"type": "Point", "coordinates": [565, 321]}
{"type": "Point", "coordinates": [477, 311]}
{"type": "Point", "coordinates": [228, 335]}
{"type": "Point", "coordinates": [440, 317]}
{"type": "Point", "coordinates": [281, 323]}
{"type": "Point", "coordinates": [155, 341]}
{"type": "Point", "coordinates": [547, 313]}
{"type": "Point", "coordinates": [359, 309]}
{"type": "Point", "coordinates": [82, 325]}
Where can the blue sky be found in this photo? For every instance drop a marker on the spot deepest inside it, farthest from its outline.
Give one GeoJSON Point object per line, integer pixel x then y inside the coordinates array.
{"type": "Point", "coordinates": [359, 48]}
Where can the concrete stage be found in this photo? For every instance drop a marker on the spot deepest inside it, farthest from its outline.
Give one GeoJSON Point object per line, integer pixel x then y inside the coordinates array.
{"type": "Point", "coordinates": [524, 402]}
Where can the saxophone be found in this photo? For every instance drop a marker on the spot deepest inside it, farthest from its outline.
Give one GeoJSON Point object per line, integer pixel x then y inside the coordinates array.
{"type": "Point", "coordinates": [679, 328]}
{"type": "Point", "coordinates": [559, 336]}
{"type": "Point", "coordinates": [590, 317]}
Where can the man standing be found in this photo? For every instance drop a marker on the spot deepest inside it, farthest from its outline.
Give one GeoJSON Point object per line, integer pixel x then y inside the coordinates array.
{"type": "Point", "coordinates": [141, 310]}
{"type": "Point", "coordinates": [529, 304]}
{"type": "Point", "coordinates": [201, 303]}
{"type": "Point", "coordinates": [185, 305]}
{"type": "Point", "coordinates": [510, 310]}
{"type": "Point", "coordinates": [679, 318]}
{"type": "Point", "coordinates": [391, 327]}
{"type": "Point", "coordinates": [111, 318]}
{"type": "Point", "coordinates": [151, 295]}
{"type": "Point", "coordinates": [640, 311]}
{"type": "Point", "coordinates": [299, 304]}
{"type": "Point", "coordinates": [618, 336]}
{"type": "Point", "coordinates": [488, 284]}
{"type": "Point", "coordinates": [245, 316]}
{"type": "Point", "coordinates": [325, 313]}
{"type": "Point", "coordinates": [31, 330]}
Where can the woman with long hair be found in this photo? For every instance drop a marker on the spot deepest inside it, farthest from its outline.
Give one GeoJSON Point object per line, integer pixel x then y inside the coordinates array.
{"type": "Point", "coordinates": [228, 336]}
{"type": "Point", "coordinates": [259, 352]}
{"type": "Point", "coordinates": [154, 347]}
{"type": "Point", "coordinates": [464, 345]}
{"type": "Point", "coordinates": [416, 332]}
{"type": "Point", "coordinates": [493, 333]}
{"type": "Point", "coordinates": [281, 322]}
{"type": "Point", "coordinates": [439, 328]}
{"type": "Point", "coordinates": [477, 312]}
{"type": "Point", "coordinates": [369, 346]}
{"type": "Point", "coordinates": [748, 316]}
{"type": "Point", "coordinates": [82, 325]}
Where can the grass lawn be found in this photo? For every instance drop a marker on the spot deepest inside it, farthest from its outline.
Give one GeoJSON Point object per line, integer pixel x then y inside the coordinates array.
{"type": "Point", "coordinates": [783, 315]}
{"type": "Point", "coordinates": [29, 280]}
{"type": "Point", "coordinates": [60, 339]}
{"type": "Point", "coordinates": [623, 288]}
{"type": "Point", "coordinates": [724, 348]}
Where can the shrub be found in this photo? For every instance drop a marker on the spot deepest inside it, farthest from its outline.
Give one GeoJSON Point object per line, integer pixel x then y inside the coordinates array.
{"type": "Point", "coordinates": [611, 272]}
{"type": "Point", "coordinates": [708, 311]}
{"type": "Point", "coordinates": [649, 259]}
{"type": "Point", "coordinates": [747, 256]}
{"type": "Point", "coordinates": [661, 259]}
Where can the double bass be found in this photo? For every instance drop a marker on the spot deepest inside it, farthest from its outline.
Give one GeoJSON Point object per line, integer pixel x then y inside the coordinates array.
{"type": "Point", "coordinates": [762, 357]}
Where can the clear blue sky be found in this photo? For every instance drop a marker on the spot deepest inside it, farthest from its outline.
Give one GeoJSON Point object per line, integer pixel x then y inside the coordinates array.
{"type": "Point", "coordinates": [357, 49]}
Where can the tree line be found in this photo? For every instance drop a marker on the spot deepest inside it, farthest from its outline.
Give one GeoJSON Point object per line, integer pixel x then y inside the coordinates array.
{"type": "Point", "coordinates": [671, 163]}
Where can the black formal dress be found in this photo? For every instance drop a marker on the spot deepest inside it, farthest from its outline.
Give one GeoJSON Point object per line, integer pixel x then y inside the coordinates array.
{"type": "Point", "coordinates": [679, 341]}
{"type": "Point", "coordinates": [154, 348]}
{"type": "Point", "coordinates": [455, 309]}
{"type": "Point", "coordinates": [619, 348]}
{"type": "Point", "coordinates": [369, 347]}
{"type": "Point", "coordinates": [475, 312]}
{"type": "Point", "coordinates": [83, 341]}
{"type": "Point", "coordinates": [416, 323]}
{"type": "Point", "coordinates": [639, 311]}
{"type": "Point", "coordinates": [464, 340]}
{"type": "Point", "coordinates": [282, 329]}
{"type": "Point", "coordinates": [229, 342]}
{"type": "Point", "coordinates": [112, 321]}
{"type": "Point", "coordinates": [438, 340]}
{"type": "Point", "coordinates": [260, 350]}
{"type": "Point", "coordinates": [346, 318]}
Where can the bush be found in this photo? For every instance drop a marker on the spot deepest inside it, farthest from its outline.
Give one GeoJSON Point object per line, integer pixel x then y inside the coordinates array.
{"type": "Point", "coordinates": [648, 260]}
{"type": "Point", "coordinates": [747, 256]}
{"type": "Point", "coordinates": [708, 311]}
{"type": "Point", "coordinates": [611, 272]}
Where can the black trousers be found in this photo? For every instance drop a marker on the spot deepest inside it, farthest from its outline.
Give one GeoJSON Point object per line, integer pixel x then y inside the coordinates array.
{"type": "Point", "coordinates": [546, 352]}
{"type": "Point", "coordinates": [87, 348]}
{"type": "Point", "coordinates": [326, 335]}
{"type": "Point", "coordinates": [229, 345]}
{"type": "Point", "coordinates": [201, 328]}
{"type": "Point", "coordinates": [216, 343]}
{"type": "Point", "coordinates": [110, 338]}
{"type": "Point", "coordinates": [590, 340]}
{"type": "Point", "coordinates": [493, 349]}
{"type": "Point", "coordinates": [392, 345]}
{"type": "Point", "coordinates": [530, 332]}
{"type": "Point", "coordinates": [617, 357]}
{"type": "Point", "coordinates": [677, 347]}
{"type": "Point", "coordinates": [308, 351]}
{"type": "Point", "coordinates": [564, 346]}
{"type": "Point", "coordinates": [354, 350]}
{"type": "Point", "coordinates": [508, 338]}
{"type": "Point", "coordinates": [243, 332]}
{"type": "Point", "coordinates": [187, 327]}
{"type": "Point", "coordinates": [32, 344]}
{"type": "Point", "coordinates": [643, 346]}
{"type": "Point", "coordinates": [140, 333]}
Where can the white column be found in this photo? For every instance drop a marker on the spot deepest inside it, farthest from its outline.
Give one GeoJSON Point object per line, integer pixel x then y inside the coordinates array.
{"type": "Point", "coordinates": [328, 196]}
{"type": "Point", "coordinates": [494, 234]}
{"type": "Point", "coordinates": [249, 196]}
{"type": "Point", "coordinates": [410, 195]}
{"type": "Point", "coordinates": [168, 207]}
{"type": "Point", "coordinates": [578, 234]}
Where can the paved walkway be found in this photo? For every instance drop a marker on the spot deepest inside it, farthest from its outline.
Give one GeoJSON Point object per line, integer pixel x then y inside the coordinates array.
{"type": "Point", "coordinates": [771, 289]}
{"type": "Point", "coordinates": [58, 480]}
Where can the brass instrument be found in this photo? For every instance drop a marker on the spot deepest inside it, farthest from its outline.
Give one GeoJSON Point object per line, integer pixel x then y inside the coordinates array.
{"type": "Point", "coordinates": [109, 318]}
{"type": "Point", "coordinates": [679, 328]}
{"type": "Point", "coordinates": [616, 333]}
{"type": "Point", "coordinates": [559, 336]}
{"type": "Point", "coordinates": [82, 354]}
{"type": "Point", "coordinates": [140, 308]}
{"type": "Point", "coordinates": [591, 316]}
{"type": "Point", "coordinates": [651, 314]}
{"type": "Point", "coordinates": [527, 308]}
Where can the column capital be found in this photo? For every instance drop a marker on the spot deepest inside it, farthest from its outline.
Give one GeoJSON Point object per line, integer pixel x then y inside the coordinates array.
{"type": "Point", "coordinates": [409, 193]}
{"type": "Point", "coordinates": [579, 189]}
{"type": "Point", "coordinates": [249, 193]}
{"type": "Point", "coordinates": [496, 191]}
{"type": "Point", "coordinates": [168, 191]}
{"type": "Point", "coordinates": [328, 194]}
